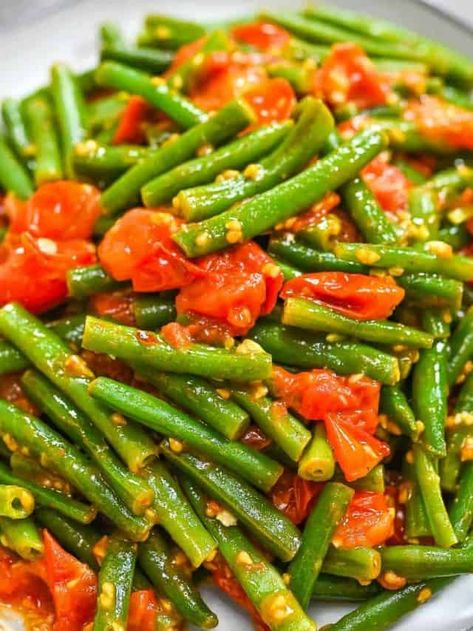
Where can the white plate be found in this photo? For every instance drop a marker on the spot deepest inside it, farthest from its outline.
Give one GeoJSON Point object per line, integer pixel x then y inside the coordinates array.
{"type": "Point", "coordinates": [28, 49]}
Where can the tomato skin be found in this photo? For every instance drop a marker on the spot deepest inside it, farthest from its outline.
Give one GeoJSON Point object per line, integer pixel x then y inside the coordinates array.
{"type": "Point", "coordinates": [73, 586]}
{"type": "Point", "coordinates": [272, 100]}
{"type": "Point", "coordinates": [355, 450]}
{"type": "Point", "coordinates": [387, 183]}
{"type": "Point", "coordinates": [236, 287]}
{"type": "Point", "coordinates": [348, 75]}
{"type": "Point", "coordinates": [369, 521]}
{"type": "Point", "coordinates": [130, 126]}
{"type": "Point", "coordinates": [262, 35]}
{"type": "Point", "coordinates": [441, 121]}
{"type": "Point", "coordinates": [59, 210]}
{"type": "Point", "coordinates": [355, 295]}
{"type": "Point", "coordinates": [117, 305]}
{"type": "Point", "coordinates": [294, 496]}
{"type": "Point", "coordinates": [139, 248]}
{"type": "Point", "coordinates": [47, 261]}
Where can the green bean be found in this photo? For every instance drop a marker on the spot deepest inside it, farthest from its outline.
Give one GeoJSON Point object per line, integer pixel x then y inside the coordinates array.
{"type": "Point", "coordinates": [461, 347]}
{"type": "Point", "coordinates": [16, 502]}
{"type": "Point", "coordinates": [158, 561]}
{"type": "Point", "coordinates": [395, 405]}
{"type": "Point", "coordinates": [103, 113]}
{"type": "Point", "coordinates": [200, 398]}
{"type": "Point", "coordinates": [71, 464]}
{"type": "Point", "coordinates": [21, 536]}
{"type": "Point", "coordinates": [13, 175]}
{"type": "Point", "coordinates": [436, 322]}
{"type": "Point", "coordinates": [300, 76]}
{"type": "Point", "coordinates": [15, 127]}
{"type": "Point", "coordinates": [425, 212]}
{"type": "Point", "coordinates": [153, 311]}
{"type": "Point", "coordinates": [71, 375]}
{"type": "Point", "coordinates": [70, 111]}
{"type": "Point", "coordinates": [372, 481]}
{"type": "Point", "coordinates": [288, 271]}
{"type": "Point", "coordinates": [111, 35]}
{"type": "Point", "coordinates": [457, 236]}
{"type": "Point", "coordinates": [364, 564]}
{"type": "Point", "coordinates": [285, 200]}
{"type": "Point", "coordinates": [412, 174]}
{"type": "Point", "coordinates": [429, 484]}
{"type": "Point", "coordinates": [114, 585]}
{"type": "Point", "coordinates": [320, 527]}
{"type": "Point", "coordinates": [89, 280]}
{"type": "Point", "coordinates": [277, 423]}
{"type": "Point", "coordinates": [168, 32]}
{"type": "Point", "coordinates": [172, 423]}
{"type": "Point", "coordinates": [417, 521]}
{"type": "Point", "coordinates": [77, 539]}
{"type": "Point", "coordinates": [461, 510]}
{"type": "Point", "coordinates": [339, 588]}
{"type": "Point", "coordinates": [50, 498]}
{"type": "Point", "coordinates": [176, 516]}
{"type": "Point", "coordinates": [307, 314]}
{"type": "Point", "coordinates": [42, 128]}
{"type": "Point", "coordinates": [263, 520]}
{"type": "Point", "coordinates": [317, 462]}
{"type": "Point", "coordinates": [405, 136]}
{"type": "Point", "coordinates": [309, 259]}
{"type": "Point", "coordinates": [417, 563]}
{"type": "Point", "coordinates": [289, 346]}
{"type": "Point", "coordinates": [385, 609]}
{"type": "Point", "coordinates": [103, 162]}
{"type": "Point", "coordinates": [464, 401]}
{"type": "Point", "coordinates": [292, 154]}
{"type": "Point", "coordinates": [111, 74]}
{"type": "Point", "coordinates": [456, 267]}
{"type": "Point", "coordinates": [235, 155]}
{"type": "Point", "coordinates": [246, 363]}
{"type": "Point", "coordinates": [449, 467]}
{"type": "Point", "coordinates": [150, 60]}
{"type": "Point", "coordinates": [261, 582]}
{"type": "Point", "coordinates": [72, 423]}
{"type": "Point", "coordinates": [426, 290]}
{"type": "Point", "coordinates": [227, 122]}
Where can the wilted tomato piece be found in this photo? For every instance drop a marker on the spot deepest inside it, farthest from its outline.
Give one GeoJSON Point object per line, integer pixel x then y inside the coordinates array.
{"type": "Point", "coordinates": [294, 496]}
{"type": "Point", "coordinates": [369, 521]}
{"type": "Point", "coordinates": [130, 127]}
{"type": "Point", "coordinates": [73, 586]}
{"type": "Point", "coordinates": [388, 184]}
{"type": "Point", "coordinates": [272, 100]}
{"type": "Point", "coordinates": [315, 394]}
{"type": "Point", "coordinates": [358, 296]}
{"type": "Point", "coordinates": [441, 121]}
{"type": "Point", "coordinates": [139, 248]}
{"type": "Point", "coordinates": [117, 305]}
{"type": "Point", "coordinates": [355, 450]}
{"type": "Point", "coordinates": [236, 287]}
{"type": "Point", "coordinates": [33, 271]}
{"type": "Point", "coordinates": [57, 210]}
{"type": "Point", "coordinates": [347, 75]}
{"type": "Point", "coordinates": [143, 612]}
{"type": "Point", "coordinates": [262, 35]}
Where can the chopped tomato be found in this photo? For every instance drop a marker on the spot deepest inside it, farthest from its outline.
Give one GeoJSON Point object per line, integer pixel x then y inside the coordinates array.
{"type": "Point", "coordinates": [11, 390]}
{"type": "Point", "coordinates": [388, 184]}
{"type": "Point", "coordinates": [236, 287]}
{"type": "Point", "coordinates": [184, 53]}
{"type": "Point", "coordinates": [139, 248]}
{"type": "Point", "coordinates": [73, 586]}
{"type": "Point", "coordinates": [262, 35]}
{"type": "Point", "coordinates": [347, 75]}
{"type": "Point", "coordinates": [117, 305]}
{"type": "Point", "coordinates": [176, 335]}
{"type": "Point", "coordinates": [358, 296]}
{"type": "Point", "coordinates": [57, 210]}
{"type": "Point", "coordinates": [130, 127]}
{"type": "Point", "coordinates": [294, 496]}
{"type": "Point", "coordinates": [441, 121]}
{"type": "Point", "coordinates": [355, 450]}
{"type": "Point", "coordinates": [315, 213]}
{"type": "Point", "coordinates": [23, 258]}
{"type": "Point", "coordinates": [255, 438]}
{"type": "Point", "coordinates": [224, 578]}
{"type": "Point", "coordinates": [315, 394]}
{"type": "Point", "coordinates": [271, 100]}
{"type": "Point", "coordinates": [369, 521]}
{"type": "Point", "coordinates": [143, 611]}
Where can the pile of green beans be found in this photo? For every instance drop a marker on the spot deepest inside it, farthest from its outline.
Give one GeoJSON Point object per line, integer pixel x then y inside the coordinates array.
{"type": "Point", "coordinates": [159, 462]}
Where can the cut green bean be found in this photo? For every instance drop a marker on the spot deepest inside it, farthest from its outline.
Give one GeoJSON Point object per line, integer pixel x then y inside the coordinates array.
{"type": "Point", "coordinates": [307, 350]}
{"type": "Point", "coordinates": [449, 467]}
{"type": "Point", "coordinates": [22, 536]}
{"type": "Point", "coordinates": [13, 175]}
{"type": "Point", "coordinates": [153, 311]}
{"type": "Point", "coordinates": [395, 405]}
{"type": "Point", "coordinates": [16, 502]}
{"type": "Point", "coordinates": [89, 280]}
{"type": "Point", "coordinates": [172, 423]}
{"type": "Point", "coordinates": [417, 521]}
{"type": "Point", "coordinates": [363, 564]}
{"type": "Point", "coordinates": [317, 462]}
{"type": "Point", "coordinates": [15, 127]}
{"type": "Point", "coordinates": [246, 363]}
{"type": "Point", "coordinates": [268, 525]}
{"type": "Point", "coordinates": [461, 347]}
{"type": "Point", "coordinates": [150, 60]}
{"type": "Point", "coordinates": [319, 529]}
{"type": "Point", "coordinates": [436, 322]}
{"type": "Point", "coordinates": [169, 32]}
{"type": "Point", "coordinates": [339, 588]}
{"type": "Point", "coordinates": [461, 510]}
{"type": "Point", "coordinates": [417, 563]}
{"type": "Point", "coordinates": [426, 290]}
{"type": "Point", "coordinates": [42, 128]}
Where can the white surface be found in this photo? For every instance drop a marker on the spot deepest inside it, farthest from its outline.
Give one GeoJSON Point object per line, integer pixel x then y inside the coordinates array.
{"type": "Point", "coordinates": [70, 35]}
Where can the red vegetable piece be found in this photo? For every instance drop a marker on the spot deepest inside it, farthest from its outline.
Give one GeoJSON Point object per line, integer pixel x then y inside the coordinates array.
{"type": "Point", "coordinates": [272, 100]}
{"type": "Point", "coordinates": [294, 496]}
{"type": "Point", "coordinates": [130, 127]}
{"type": "Point", "coordinates": [263, 35]}
{"type": "Point", "coordinates": [369, 521]}
{"type": "Point", "coordinates": [387, 183]}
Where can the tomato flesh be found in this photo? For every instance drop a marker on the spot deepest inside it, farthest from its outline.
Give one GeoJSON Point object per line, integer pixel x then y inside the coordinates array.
{"type": "Point", "coordinates": [263, 35]}
{"type": "Point", "coordinates": [369, 521]}
{"type": "Point", "coordinates": [387, 183]}
{"type": "Point", "coordinates": [355, 295]}
{"type": "Point", "coordinates": [294, 496]}
{"type": "Point", "coordinates": [130, 127]}
{"type": "Point", "coordinates": [139, 248]}
{"type": "Point", "coordinates": [272, 100]}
